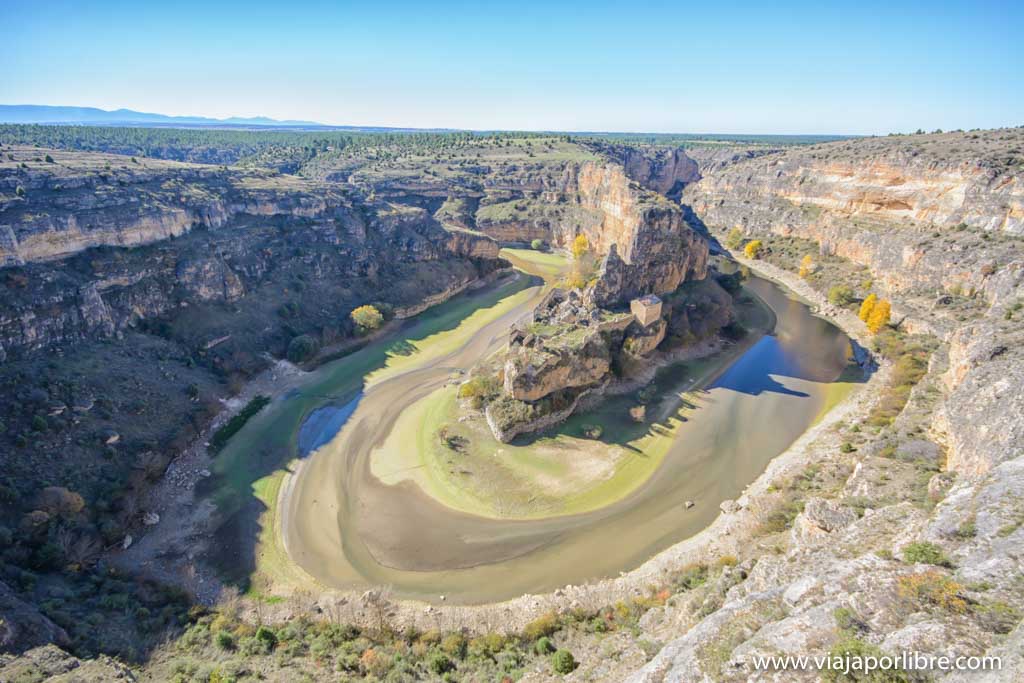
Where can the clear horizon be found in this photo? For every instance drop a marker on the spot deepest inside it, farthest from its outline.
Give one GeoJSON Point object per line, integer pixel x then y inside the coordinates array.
{"type": "Point", "coordinates": [660, 68]}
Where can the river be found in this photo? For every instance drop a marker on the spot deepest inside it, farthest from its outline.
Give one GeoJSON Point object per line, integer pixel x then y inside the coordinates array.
{"type": "Point", "coordinates": [349, 530]}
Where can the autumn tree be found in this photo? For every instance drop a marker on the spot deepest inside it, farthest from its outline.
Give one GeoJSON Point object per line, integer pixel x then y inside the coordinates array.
{"type": "Point", "coordinates": [806, 263]}
{"type": "Point", "coordinates": [867, 306]}
{"type": "Point", "coordinates": [879, 317]}
{"type": "Point", "coordinates": [582, 263]}
{"type": "Point", "coordinates": [580, 247]}
{"type": "Point", "coordinates": [753, 249]}
{"type": "Point", "coordinates": [367, 317]}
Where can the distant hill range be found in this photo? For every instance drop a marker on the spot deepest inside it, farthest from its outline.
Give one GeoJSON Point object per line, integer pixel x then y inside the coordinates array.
{"type": "Point", "coordinates": [38, 113]}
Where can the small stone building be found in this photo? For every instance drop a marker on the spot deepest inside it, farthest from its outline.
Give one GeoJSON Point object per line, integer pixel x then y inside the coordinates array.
{"type": "Point", "coordinates": [646, 309]}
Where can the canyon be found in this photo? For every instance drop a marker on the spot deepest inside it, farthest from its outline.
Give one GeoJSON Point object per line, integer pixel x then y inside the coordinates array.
{"type": "Point", "coordinates": [892, 524]}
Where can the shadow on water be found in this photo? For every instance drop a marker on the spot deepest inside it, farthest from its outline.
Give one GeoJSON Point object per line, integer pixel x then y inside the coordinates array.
{"type": "Point", "coordinates": [304, 419]}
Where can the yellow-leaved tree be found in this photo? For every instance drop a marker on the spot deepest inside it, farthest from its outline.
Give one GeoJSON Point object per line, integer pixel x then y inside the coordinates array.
{"type": "Point", "coordinates": [753, 249]}
{"type": "Point", "coordinates": [879, 317]}
{"type": "Point", "coordinates": [806, 263]}
{"type": "Point", "coordinates": [582, 263]}
{"type": "Point", "coordinates": [580, 246]}
{"type": "Point", "coordinates": [367, 317]}
{"type": "Point", "coordinates": [867, 306]}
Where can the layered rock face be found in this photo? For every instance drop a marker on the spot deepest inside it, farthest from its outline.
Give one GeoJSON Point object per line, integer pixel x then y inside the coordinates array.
{"type": "Point", "coordinates": [853, 574]}
{"type": "Point", "coordinates": [614, 195]}
{"type": "Point", "coordinates": [907, 207]}
{"type": "Point", "coordinates": [235, 231]}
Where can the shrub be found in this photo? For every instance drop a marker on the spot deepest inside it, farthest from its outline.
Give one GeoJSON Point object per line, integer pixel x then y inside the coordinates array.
{"type": "Point", "coordinates": [854, 648]}
{"type": "Point", "coordinates": [753, 249]}
{"type": "Point", "coordinates": [301, 348]}
{"type": "Point", "coordinates": [454, 644]}
{"type": "Point", "coordinates": [20, 191]}
{"type": "Point", "coordinates": [592, 431]}
{"type": "Point", "coordinates": [924, 552]}
{"type": "Point", "coordinates": [932, 589]}
{"type": "Point", "coordinates": [840, 295]}
{"type": "Point", "coordinates": [543, 625]}
{"type": "Point", "coordinates": [734, 239]}
{"type": "Point", "coordinates": [847, 447]}
{"type": "Point", "coordinates": [224, 640]}
{"type": "Point", "coordinates": [367, 317]}
{"type": "Point", "coordinates": [537, 244]}
{"type": "Point", "coordinates": [543, 646]}
{"type": "Point", "coordinates": [440, 664]}
{"type": "Point", "coordinates": [563, 662]}
{"type": "Point", "coordinates": [267, 637]}
{"type": "Point", "coordinates": [866, 307]}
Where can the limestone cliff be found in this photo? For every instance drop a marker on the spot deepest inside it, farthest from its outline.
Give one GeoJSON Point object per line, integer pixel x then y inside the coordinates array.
{"type": "Point", "coordinates": [932, 500]}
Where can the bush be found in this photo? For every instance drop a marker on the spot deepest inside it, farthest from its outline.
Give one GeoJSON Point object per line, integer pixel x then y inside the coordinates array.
{"type": "Point", "coordinates": [224, 640]}
{"type": "Point", "coordinates": [932, 589]}
{"type": "Point", "coordinates": [840, 295]}
{"type": "Point", "coordinates": [20, 191]}
{"type": "Point", "coordinates": [367, 317]}
{"type": "Point", "coordinates": [753, 249]}
{"type": "Point", "coordinates": [301, 348]}
{"type": "Point", "coordinates": [49, 159]}
{"type": "Point", "coordinates": [454, 644]}
{"type": "Point", "coordinates": [734, 239]}
{"type": "Point", "coordinates": [924, 552]}
{"type": "Point", "coordinates": [440, 664]}
{"type": "Point", "coordinates": [267, 637]}
{"type": "Point", "coordinates": [853, 648]}
{"type": "Point", "coordinates": [537, 245]}
{"type": "Point", "coordinates": [543, 625]}
{"type": "Point", "coordinates": [563, 662]}
{"type": "Point", "coordinates": [543, 646]}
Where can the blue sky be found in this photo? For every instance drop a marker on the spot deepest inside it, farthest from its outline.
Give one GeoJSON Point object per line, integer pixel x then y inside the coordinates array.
{"type": "Point", "coordinates": [742, 67]}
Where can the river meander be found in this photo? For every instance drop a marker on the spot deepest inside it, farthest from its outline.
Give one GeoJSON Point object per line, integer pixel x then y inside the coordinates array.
{"type": "Point", "coordinates": [348, 529]}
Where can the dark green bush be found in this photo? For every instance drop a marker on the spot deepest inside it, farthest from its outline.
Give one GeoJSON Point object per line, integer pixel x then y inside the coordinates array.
{"type": "Point", "coordinates": [302, 348]}
{"type": "Point", "coordinates": [563, 662]}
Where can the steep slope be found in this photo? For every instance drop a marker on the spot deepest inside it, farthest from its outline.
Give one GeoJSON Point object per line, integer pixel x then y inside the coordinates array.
{"type": "Point", "coordinates": [904, 537]}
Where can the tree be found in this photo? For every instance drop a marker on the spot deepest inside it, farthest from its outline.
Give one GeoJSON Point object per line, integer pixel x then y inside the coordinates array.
{"type": "Point", "coordinates": [367, 317]}
{"type": "Point", "coordinates": [753, 249]}
{"type": "Point", "coordinates": [867, 306]}
{"type": "Point", "coordinates": [879, 317]}
{"type": "Point", "coordinates": [580, 246]}
{"type": "Point", "coordinates": [806, 263]}
{"type": "Point", "coordinates": [301, 348]}
{"type": "Point", "coordinates": [537, 245]}
{"type": "Point", "coordinates": [734, 239]}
